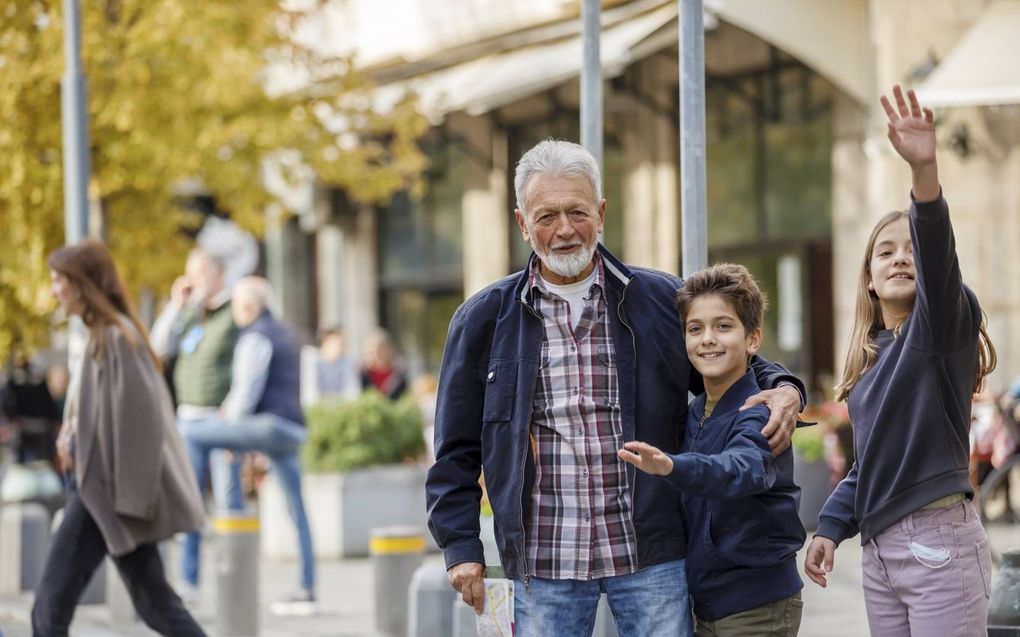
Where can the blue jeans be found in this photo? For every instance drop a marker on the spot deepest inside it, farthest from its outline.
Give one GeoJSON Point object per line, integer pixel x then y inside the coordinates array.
{"type": "Point", "coordinates": [653, 601]}
{"type": "Point", "coordinates": [225, 473]}
{"type": "Point", "coordinates": [278, 438]}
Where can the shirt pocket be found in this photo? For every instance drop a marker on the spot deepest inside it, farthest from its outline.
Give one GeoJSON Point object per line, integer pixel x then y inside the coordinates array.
{"type": "Point", "coordinates": [500, 388]}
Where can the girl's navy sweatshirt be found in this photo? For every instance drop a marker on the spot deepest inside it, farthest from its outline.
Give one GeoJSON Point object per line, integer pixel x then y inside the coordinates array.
{"type": "Point", "coordinates": [740, 504]}
{"type": "Point", "coordinates": [911, 410]}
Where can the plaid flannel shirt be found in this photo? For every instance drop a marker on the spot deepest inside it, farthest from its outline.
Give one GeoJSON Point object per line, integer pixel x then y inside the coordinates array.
{"type": "Point", "coordinates": [580, 525]}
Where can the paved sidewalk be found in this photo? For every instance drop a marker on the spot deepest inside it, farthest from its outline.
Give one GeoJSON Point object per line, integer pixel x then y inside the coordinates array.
{"type": "Point", "coordinates": [346, 605]}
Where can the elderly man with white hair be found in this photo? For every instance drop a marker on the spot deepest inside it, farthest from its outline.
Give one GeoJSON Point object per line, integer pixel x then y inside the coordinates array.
{"type": "Point", "coordinates": [262, 412]}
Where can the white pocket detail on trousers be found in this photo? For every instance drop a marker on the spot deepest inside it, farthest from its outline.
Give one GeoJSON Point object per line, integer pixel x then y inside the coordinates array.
{"type": "Point", "coordinates": [932, 558]}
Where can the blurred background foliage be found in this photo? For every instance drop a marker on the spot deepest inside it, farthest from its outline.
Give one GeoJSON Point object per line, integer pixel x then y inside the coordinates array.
{"type": "Point", "coordinates": [177, 94]}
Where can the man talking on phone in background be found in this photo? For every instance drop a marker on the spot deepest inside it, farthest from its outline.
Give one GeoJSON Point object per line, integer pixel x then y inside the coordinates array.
{"type": "Point", "coordinates": [196, 329]}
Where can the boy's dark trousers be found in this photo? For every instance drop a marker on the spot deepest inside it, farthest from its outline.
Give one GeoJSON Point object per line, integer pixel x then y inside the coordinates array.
{"type": "Point", "coordinates": [781, 618]}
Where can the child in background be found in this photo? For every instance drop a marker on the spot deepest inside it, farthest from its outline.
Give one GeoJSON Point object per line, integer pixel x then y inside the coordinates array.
{"type": "Point", "coordinates": [740, 501]}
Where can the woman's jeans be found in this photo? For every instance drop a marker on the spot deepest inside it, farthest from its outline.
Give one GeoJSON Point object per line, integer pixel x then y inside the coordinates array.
{"type": "Point", "coordinates": [75, 553]}
{"type": "Point", "coordinates": [929, 574]}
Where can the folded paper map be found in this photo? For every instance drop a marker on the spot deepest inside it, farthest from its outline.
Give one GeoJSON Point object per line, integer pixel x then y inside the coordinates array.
{"type": "Point", "coordinates": [497, 620]}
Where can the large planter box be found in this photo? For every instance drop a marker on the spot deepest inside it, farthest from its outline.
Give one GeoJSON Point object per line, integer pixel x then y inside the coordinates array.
{"type": "Point", "coordinates": [343, 508]}
{"type": "Point", "coordinates": [813, 479]}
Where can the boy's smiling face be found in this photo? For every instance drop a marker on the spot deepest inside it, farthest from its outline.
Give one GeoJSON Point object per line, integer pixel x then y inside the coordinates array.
{"type": "Point", "coordinates": [718, 344]}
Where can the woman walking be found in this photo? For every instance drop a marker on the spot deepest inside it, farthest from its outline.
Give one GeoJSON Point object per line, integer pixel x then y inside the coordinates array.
{"type": "Point", "coordinates": [130, 483]}
{"type": "Point", "coordinates": [918, 351]}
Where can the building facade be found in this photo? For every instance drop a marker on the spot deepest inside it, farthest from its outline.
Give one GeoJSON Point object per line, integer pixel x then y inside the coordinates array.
{"type": "Point", "coordinates": [798, 164]}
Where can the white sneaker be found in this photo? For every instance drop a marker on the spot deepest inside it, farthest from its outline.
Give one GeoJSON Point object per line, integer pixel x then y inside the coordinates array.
{"type": "Point", "coordinates": [300, 603]}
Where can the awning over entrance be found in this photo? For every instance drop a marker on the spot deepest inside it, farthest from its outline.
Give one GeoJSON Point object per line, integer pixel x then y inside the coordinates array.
{"type": "Point", "coordinates": [488, 82]}
{"type": "Point", "coordinates": [830, 37]}
{"type": "Point", "coordinates": [982, 69]}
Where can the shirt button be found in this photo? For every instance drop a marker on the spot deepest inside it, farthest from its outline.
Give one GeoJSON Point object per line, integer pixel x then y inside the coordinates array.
{"type": "Point", "coordinates": [490, 376]}
{"type": "Point", "coordinates": [587, 518]}
{"type": "Point", "coordinates": [575, 391]}
{"type": "Point", "coordinates": [580, 430]}
{"type": "Point", "coordinates": [584, 473]}
{"type": "Point", "coordinates": [573, 348]}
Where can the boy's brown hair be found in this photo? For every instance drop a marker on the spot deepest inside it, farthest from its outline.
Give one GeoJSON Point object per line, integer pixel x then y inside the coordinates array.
{"type": "Point", "coordinates": [733, 283]}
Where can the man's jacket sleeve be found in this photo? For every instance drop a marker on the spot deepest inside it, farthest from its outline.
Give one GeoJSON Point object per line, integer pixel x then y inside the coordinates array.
{"type": "Point", "coordinates": [452, 491]}
{"type": "Point", "coordinates": [772, 375]}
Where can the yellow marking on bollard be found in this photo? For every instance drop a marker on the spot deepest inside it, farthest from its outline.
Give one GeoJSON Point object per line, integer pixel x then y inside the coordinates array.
{"type": "Point", "coordinates": [391, 545]}
{"type": "Point", "coordinates": [236, 525]}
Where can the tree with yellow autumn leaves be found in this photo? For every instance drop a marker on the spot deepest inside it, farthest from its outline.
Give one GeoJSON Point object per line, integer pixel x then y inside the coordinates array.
{"type": "Point", "coordinates": [179, 91]}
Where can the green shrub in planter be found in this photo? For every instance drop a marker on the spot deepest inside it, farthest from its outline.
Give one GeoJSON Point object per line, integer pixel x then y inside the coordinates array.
{"type": "Point", "coordinates": [371, 430]}
{"type": "Point", "coordinates": [809, 443]}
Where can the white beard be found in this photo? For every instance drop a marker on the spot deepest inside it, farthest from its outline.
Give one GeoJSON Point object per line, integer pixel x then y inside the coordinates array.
{"type": "Point", "coordinates": [567, 265]}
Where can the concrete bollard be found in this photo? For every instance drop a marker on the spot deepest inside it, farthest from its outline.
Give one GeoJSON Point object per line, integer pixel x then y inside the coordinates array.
{"type": "Point", "coordinates": [396, 553]}
{"type": "Point", "coordinates": [237, 575]}
{"type": "Point", "coordinates": [95, 592]}
{"type": "Point", "coordinates": [1004, 603]}
{"type": "Point", "coordinates": [465, 623]}
{"type": "Point", "coordinates": [118, 600]}
{"type": "Point", "coordinates": [429, 610]}
{"type": "Point", "coordinates": [24, 541]}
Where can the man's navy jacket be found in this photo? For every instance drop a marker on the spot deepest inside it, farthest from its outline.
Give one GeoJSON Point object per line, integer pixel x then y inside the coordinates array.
{"type": "Point", "coordinates": [486, 398]}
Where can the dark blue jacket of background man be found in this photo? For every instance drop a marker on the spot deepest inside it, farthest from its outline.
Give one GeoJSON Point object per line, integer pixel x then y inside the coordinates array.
{"type": "Point", "coordinates": [486, 398]}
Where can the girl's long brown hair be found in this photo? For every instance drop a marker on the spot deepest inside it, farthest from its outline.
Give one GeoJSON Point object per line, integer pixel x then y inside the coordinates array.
{"type": "Point", "coordinates": [861, 351]}
{"type": "Point", "coordinates": [90, 269]}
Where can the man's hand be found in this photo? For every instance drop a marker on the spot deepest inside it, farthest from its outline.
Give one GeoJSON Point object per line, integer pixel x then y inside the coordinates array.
{"type": "Point", "coordinates": [818, 563]}
{"type": "Point", "coordinates": [468, 579]}
{"type": "Point", "coordinates": [784, 403]}
{"type": "Point", "coordinates": [181, 291]}
{"type": "Point", "coordinates": [646, 457]}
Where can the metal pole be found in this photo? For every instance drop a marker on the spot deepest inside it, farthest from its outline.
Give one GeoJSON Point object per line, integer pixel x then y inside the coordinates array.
{"type": "Point", "coordinates": [74, 113]}
{"type": "Point", "coordinates": [591, 80]}
{"type": "Point", "coordinates": [692, 136]}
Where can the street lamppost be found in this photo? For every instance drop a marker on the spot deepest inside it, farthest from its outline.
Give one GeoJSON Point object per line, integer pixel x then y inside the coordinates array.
{"type": "Point", "coordinates": [591, 79]}
{"type": "Point", "coordinates": [74, 118]}
{"type": "Point", "coordinates": [692, 136]}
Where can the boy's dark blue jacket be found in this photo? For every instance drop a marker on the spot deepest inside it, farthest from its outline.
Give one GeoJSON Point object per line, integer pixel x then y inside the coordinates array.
{"type": "Point", "coordinates": [486, 398]}
{"type": "Point", "coordinates": [742, 523]}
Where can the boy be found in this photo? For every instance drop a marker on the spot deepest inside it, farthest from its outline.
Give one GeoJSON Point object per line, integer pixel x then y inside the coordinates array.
{"type": "Point", "coordinates": [740, 502]}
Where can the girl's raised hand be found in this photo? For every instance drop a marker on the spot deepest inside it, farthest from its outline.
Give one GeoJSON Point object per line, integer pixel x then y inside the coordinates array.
{"type": "Point", "coordinates": [646, 457]}
{"type": "Point", "coordinates": [911, 128]}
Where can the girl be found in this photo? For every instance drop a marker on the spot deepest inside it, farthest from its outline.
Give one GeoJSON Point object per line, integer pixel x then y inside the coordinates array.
{"type": "Point", "coordinates": [918, 351]}
{"type": "Point", "coordinates": [131, 485]}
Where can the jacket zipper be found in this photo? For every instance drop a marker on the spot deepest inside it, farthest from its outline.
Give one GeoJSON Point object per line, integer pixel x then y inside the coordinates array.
{"type": "Point", "coordinates": [524, 465]}
{"type": "Point", "coordinates": [633, 345]}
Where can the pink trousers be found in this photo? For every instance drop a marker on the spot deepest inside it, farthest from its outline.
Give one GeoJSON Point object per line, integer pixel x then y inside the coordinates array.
{"type": "Point", "coordinates": [929, 575]}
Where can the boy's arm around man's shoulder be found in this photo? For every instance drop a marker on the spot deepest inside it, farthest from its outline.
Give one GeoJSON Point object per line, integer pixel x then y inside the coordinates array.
{"type": "Point", "coordinates": [743, 467]}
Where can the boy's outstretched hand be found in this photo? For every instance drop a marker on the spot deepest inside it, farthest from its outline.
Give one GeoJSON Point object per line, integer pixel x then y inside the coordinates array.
{"type": "Point", "coordinates": [646, 457]}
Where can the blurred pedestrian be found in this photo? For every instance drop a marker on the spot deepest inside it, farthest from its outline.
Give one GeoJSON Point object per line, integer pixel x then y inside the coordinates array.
{"type": "Point", "coordinates": [131, 485]}
{"type": "Point", "coordinates": [918, 352]}
{"type": "Point", "coordinates": [336, 375]}
{"type": "Point", "coordinates": [197, 331]}
{"type": "Point", "coordinates": [32, 410]}
{"type": "Point", "coordinates": [379, 367]}
{"type": "Point", "coordinates": [262, 412]}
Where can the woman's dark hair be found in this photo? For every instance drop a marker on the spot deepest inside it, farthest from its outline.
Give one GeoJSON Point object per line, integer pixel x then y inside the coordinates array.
{"type": "Point", "coordinates": [90, 269]}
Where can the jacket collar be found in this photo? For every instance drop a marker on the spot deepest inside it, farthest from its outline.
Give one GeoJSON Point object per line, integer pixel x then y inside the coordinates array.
{"type": "Point", "coordinates": [617, 275]}
{"type": "Point", "coordinates": [732, 399]}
